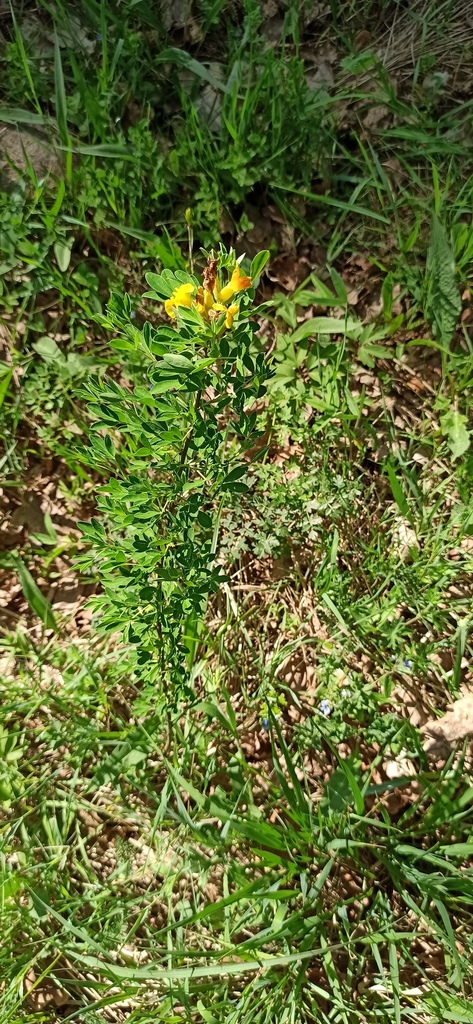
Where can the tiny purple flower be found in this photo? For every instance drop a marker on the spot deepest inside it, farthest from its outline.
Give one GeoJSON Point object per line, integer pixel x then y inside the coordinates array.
{"type": "Point", "coordinates": [265, 724]}
{"type": "Point", "coordinates": [325, 708]}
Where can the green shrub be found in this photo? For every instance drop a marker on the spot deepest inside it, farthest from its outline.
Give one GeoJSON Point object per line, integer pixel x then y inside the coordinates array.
{"type": "Point", "coordinates": [173, 445]}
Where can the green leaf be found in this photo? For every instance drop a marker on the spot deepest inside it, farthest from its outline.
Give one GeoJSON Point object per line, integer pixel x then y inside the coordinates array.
{"type": "Point", "coordinates": [33, 595]}
{"type": "Point", "coordinates": [387, 296]}
{"type": "Point", "coordinates": [13, 115]}
{"type": "Point", "coordinates": [237, 488]}
{"type": "Point", "coordinates": [162, 285]}
{"type": "Point", "coordinates": [339, 286]}
{"type": "Point", "coordinates": [212, 970]}
{"type": "Point", "coordinates": [61, 105]}
{"type": "Point", "coordinates": [338, 795]}
{"type": "Point", "coordinates": [174, 56]}
{"type": "Point", "coordinates": [49, 350]}
{"type": "Point", "coordinates": [347, 326]}
{"type": "Point", "coordinates": [235, 474]}
{"type": "Point", "coordinates": [462, 850]}
{"type": "Point", "coordinates": [398, 493]}
{"type": "Point", "coordinates": [258, 264]}
{"type": "Point", "coordinates": [444, 303]}
{"type": "Point", "coordinates": [337, 204]}
{"type": "Point", "coordinates": [6, 373]}
{"type": "Point", "coordinates": [322, 295]}
{"type": "Point", "coordinates": [214, 711]}
{"type": "Point", "coordinates": [450, 1007]}
{"type": "Point", "coordinates": [369, 352]}
{"type": "Point", "coordinates": [62, 252]}
{"type": "Point", "coordinates": [285, 373]}
{"type": "Point", "coordinates": [106, 150]}
{"type": "Point", "coordinates": [176, 361]}
{"type": "Point", "coordinates": [452, 425]}
{"type": "Point", "coordinates": [205, 520]}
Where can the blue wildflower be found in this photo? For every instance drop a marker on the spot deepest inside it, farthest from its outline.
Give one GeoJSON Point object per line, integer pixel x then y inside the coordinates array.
{"type": "Point", "coordinates": [265, 724]}
{"type": "Point", "coordinates": [325, 708]}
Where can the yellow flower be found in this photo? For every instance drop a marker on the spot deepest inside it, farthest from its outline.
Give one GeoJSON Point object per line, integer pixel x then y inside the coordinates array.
{"type": "Point", "coordinates": [181, 296]}
{"type": "Point", "coordinates": [238, 282]}
{"type": "Point", "coordinates": [218, 307]}
{"type": "Point", "coordinates": [231, 311]}
{"type": "Point", "coordinates": [208, 299]}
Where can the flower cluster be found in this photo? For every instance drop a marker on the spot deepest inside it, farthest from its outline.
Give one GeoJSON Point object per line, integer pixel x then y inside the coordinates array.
{"type": "Point", "coordinates": [210, 298]}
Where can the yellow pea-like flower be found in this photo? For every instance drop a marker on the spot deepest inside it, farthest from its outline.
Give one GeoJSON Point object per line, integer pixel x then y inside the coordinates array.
{"type": "Point", "coordinates": [238, 282]}
{"type": "Point", "coordinates": [231, 311]}
{"type": "Point", "coordinates": [208, 299]}
{"type": "Point", "coordinates": [181, 296]}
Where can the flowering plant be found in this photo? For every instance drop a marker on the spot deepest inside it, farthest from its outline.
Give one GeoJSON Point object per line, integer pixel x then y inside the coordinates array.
{"type": "Point", "coordinates": [174, 450]}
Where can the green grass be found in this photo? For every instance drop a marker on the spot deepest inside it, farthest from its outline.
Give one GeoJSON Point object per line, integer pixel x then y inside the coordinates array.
{"type": "Point", "coordinates": [252, 856]}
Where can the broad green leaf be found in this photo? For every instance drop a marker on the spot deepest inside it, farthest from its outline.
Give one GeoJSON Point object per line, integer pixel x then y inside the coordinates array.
{"type": "Point", "coordinates": [463, 850]}
{"type": "Point", "coordinates": [176, 361]}
{"type": "Point", "coordinates": [339, 286]}
{"type": "Point", "coordinates": [205, 520]}
{"type": "Point", "coordinates": [387, 296]}
{"type": "Point", "coordinates": [62, 252]}
{"type": "Point", "coordinates": [346, 326]}
{"type": "Point", "coordinates": [285, 374]}
{"type": "Point", "coordinates": [453, 427]}
{"type": "Point", "coordinates": [258, 264]}
{"type": "Point", "coordinates": [444, 303]}
{"type": "Point", "coordinates": [166, 384]}
{"type": "Point", "coordinates": [13, 115]}
{"type": "Point", "coordinates": [235, 474]}
{"type": "Point", "coordinates": [369, 352]}
{"type": "Point", "coordinates": [163, 285]}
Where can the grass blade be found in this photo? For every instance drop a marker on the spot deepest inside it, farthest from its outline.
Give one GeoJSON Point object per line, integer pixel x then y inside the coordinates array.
{"type": "Point", "coordinates": [36, 600]}
{"type": "Point", "coordinates": [15, 115]}
{"type": "Point", "coordinates": [183, 60]}
{"type": "Point", "coordinates": [61, 106]}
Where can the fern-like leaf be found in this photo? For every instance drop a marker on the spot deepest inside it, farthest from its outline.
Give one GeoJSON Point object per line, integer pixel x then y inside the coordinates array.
{"type": "Point", "coordinates": [443, 305]}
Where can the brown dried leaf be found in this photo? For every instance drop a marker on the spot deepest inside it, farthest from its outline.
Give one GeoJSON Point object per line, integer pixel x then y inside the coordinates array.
{"type": "Point", "coordinates": [374, 116]}
{"type": "Point", "coordinates": [43, 994]}
{"type": "Point", "coordinates": [443, 733]}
